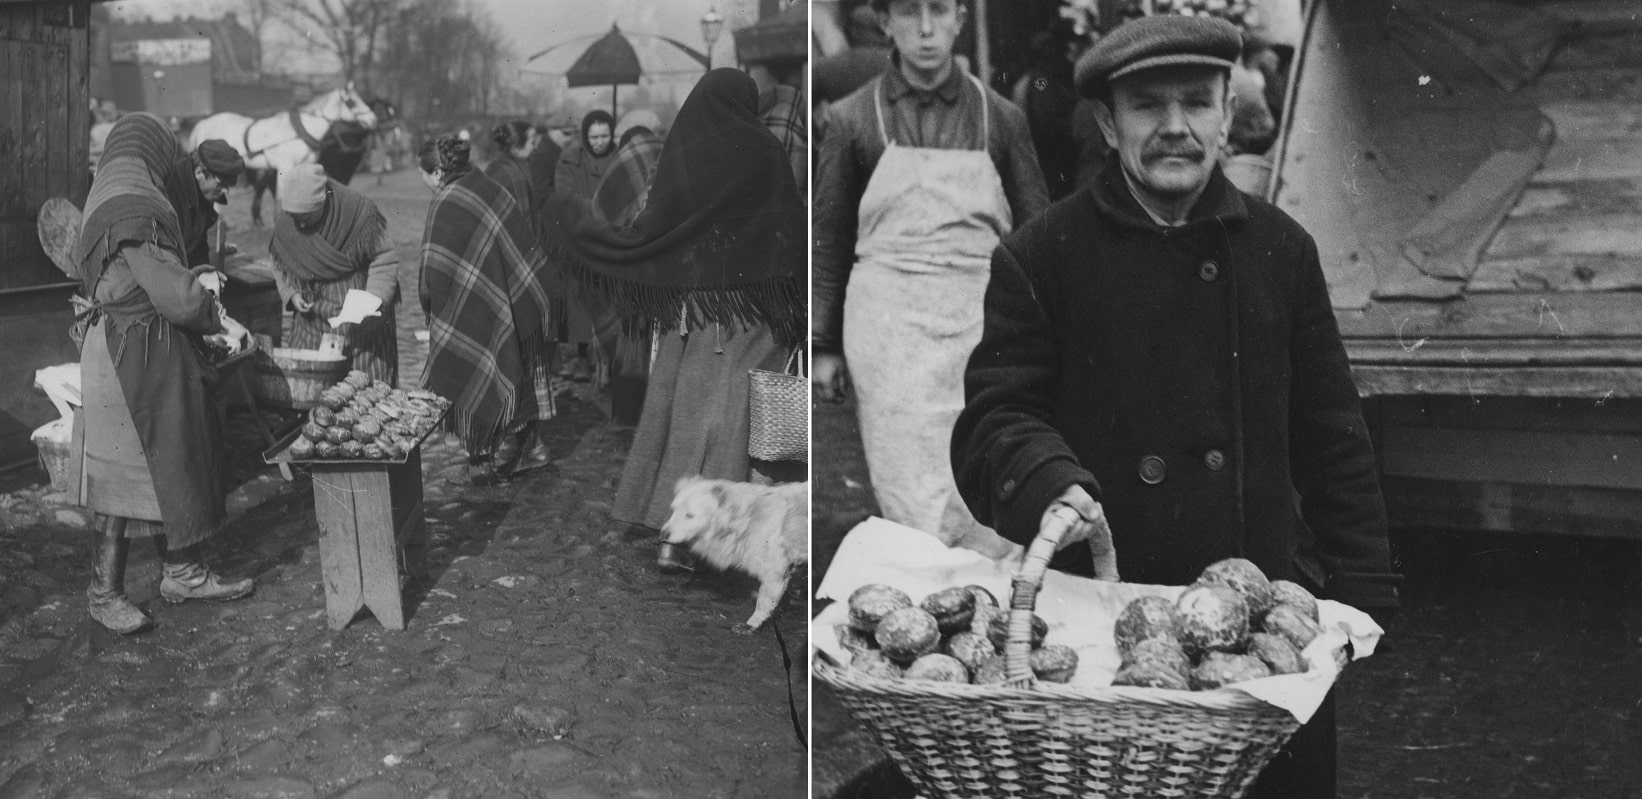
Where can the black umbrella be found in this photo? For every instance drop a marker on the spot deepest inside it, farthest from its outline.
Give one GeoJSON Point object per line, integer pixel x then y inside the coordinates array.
{"type": "Point", "coordinates": [611, 61]}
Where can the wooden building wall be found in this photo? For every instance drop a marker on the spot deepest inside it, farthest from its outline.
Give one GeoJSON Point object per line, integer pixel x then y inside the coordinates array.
{"type": "Point", "coordinates": [45, 125]}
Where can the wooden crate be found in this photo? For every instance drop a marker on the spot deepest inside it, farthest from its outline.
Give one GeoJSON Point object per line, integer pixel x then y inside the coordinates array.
{"type": "Point", "coordinates": [372, 536]}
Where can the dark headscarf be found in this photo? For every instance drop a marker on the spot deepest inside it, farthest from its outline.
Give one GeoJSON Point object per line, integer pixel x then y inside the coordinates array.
{"type": "Point", "coordinates": [723, 231]}
{"type": "Point", "coordinates": [144, 192]}
{"type": "Point", "coordinates": [595, 117]}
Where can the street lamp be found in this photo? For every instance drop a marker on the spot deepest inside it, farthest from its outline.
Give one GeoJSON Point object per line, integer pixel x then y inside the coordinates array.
{"type": "Point", "coordinates": [711, 26]}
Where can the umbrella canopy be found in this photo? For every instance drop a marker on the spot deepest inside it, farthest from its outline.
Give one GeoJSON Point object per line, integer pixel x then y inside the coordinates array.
{"type": "Point", "coordinates": [608, 62]}
{"type": "Point", "coordinates": [784, 36]}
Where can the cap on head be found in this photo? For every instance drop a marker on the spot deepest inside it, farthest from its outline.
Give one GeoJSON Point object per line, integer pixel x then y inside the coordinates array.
{"type": "Point", "coordinates": [1157, 41]}
{"type": "Point", "coordinates": [302, 189]}
{"type": "Point", "coordinates": [221, 159]}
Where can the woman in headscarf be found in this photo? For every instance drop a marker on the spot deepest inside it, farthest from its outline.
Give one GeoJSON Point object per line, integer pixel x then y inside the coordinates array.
{"type": "Point", "coordinates": [617, 201]}
{"type": "Point", "coordinates": [515, 141]}
{"type": "Point", "coordinates": [715, 262]}
{"type": "Point", "coordinates": [152, 440]}
{"type": "Point", "coordinates": [329, 240]}
{"type": "Point", "coordinates": [581, 167]}
{"type": "Point", "coordinates": [487, 307]}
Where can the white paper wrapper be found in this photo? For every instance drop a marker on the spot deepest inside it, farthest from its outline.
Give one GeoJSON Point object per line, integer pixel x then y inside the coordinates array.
{"type": "Point", "coordinates": [356, 306]}
{"type": "Point", "coordinates": [1080, 611]}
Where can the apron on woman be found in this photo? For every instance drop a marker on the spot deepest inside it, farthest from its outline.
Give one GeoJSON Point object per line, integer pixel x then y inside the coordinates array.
{"type": "Point", "coordinates": [929, 220]}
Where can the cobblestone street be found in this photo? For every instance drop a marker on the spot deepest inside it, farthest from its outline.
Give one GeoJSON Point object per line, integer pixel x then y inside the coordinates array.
{"type": "Point", "coordinates": [544, 655]}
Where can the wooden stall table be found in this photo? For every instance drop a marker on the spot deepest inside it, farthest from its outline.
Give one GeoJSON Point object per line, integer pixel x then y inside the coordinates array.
{"type": "Point", "coordinates": [372, 535]}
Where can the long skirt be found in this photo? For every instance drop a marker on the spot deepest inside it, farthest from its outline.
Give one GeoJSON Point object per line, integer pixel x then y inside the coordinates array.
{"type": "Point", "coordinates": [152, 439]}
{"type": "Point", "coordinates": [695, 417]}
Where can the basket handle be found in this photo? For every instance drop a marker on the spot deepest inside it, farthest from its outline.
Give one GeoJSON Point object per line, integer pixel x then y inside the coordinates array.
{"type": "Point", "coordinates": [795, 363]}
{"type": "Point", "coordinates": [1023, 595]}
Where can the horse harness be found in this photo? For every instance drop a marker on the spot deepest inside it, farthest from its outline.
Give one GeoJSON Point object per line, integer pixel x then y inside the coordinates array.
{"type": "Point", "coordinates": [296, 125]}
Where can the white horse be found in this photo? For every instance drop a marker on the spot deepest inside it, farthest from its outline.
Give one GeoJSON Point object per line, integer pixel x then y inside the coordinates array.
{"type": "Point", "coordinates": [274, 142]}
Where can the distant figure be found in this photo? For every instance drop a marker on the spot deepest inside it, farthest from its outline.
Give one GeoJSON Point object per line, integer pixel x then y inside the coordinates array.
{"type": "Point", "coordinates": [581, 167]}
{"type": "Point", "coordinates": [781, 107]}
{"type": "Point", "coordinates": [1062, 123]}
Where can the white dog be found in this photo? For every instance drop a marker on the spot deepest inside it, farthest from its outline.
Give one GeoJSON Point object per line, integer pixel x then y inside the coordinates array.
{"type": "Point", "coordinates": [758, 529]}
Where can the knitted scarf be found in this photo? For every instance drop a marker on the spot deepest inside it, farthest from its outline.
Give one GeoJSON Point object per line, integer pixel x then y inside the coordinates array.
{"type": "Point", "coordinates": [722, 235]}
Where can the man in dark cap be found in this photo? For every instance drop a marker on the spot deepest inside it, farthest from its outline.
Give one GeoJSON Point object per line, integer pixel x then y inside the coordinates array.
{"type": "Point", "coordinates": [217, 167]}
{"type": "Point", "coordinates": [1160, 352]}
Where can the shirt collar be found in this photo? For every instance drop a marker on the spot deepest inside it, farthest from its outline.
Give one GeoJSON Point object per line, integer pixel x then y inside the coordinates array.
{"type": "Point", "coordinates": [897, 87]}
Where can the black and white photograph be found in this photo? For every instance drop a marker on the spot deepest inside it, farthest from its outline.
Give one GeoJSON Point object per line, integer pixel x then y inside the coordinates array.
{"type": "Point", "coordinates": [1226, 398]}
{"type": "Point", "coordinates": [404, 398]}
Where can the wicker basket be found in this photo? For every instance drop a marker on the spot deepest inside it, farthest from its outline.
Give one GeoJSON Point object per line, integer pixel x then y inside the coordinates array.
{"type": "Point", "coordinates": [292, 378]}
{"type": "Point", "coordinates": [778, 406]}
{"type": "Point", "coordinates": [54, 462]}
{"type": "Point", "coordinates": [1018, 739]}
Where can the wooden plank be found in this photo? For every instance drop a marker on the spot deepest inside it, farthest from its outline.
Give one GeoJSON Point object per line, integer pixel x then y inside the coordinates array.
{"type": "Point", "coordinates": [1618, 195]}
{"type": "Point", "coordinates": [1518, 457]}
{"type": "Point", "coordinates": [1613, 417]}
{"type": "Point", "coordinates": [1524, 315]}
{"type": "Point", "coordinates": [1581, 159]}
{"type": "Point", "coordinates": [378, 557]}
{"type": "Point", "coordinates": [1494, 507]}
{"type": "Point", "coordinates": [1594, 50]}
{"type": "Point", "coordinates": [1585, 234]}
{"type": "Point", "coordinates": [1592, 119]}
{"type": "Point", "coordinates": [1496, 352]}
{"type": "Point", "coordinates": [1560, 272]}
{"type": "Point", "coordinates": [1514, 381]}
{"type": "Point", "coordinates": [335, 507]}
{"type": "Point", "coordinates": [1614, 85]}
{"type": "Point", "coordinates": [1606, 16]}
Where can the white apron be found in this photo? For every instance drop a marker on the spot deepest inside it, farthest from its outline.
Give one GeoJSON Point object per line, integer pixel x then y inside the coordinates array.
{"type": "Point", "coordinates": [929, 220]}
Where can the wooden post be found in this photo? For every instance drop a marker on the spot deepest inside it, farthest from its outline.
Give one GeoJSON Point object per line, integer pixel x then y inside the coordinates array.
{"type": "Point", "coordinates": [983, 45]}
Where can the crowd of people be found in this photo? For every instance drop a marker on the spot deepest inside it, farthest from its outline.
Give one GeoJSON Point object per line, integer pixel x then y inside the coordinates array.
{"type": "Point", "coordinates": [675, 255]}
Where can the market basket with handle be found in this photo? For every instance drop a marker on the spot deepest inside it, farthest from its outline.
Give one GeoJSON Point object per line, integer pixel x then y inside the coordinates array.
{"type": "Point", "coordinates": [1023, 738]}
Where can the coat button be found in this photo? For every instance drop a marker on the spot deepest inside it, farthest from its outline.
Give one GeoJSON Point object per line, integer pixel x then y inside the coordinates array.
{"type": "Point", "coordinates": [1215, 460]}
{"type": "Point", "coordinates": [1152, 470]}
{"type": "Point", "coordinates": [1009, 487]}
{"type": "Point", "coordinates": [1209, 271]}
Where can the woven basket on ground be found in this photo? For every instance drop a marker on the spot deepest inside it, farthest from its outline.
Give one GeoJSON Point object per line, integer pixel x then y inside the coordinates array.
{"type": "Point", "coordinates": [1027, 739]}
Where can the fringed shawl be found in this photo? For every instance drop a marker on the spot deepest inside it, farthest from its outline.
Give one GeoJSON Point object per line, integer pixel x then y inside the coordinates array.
{"type": "Point", "coordinates": [342, 243]}
{"type": "Point", "coordinates": [487, 310]}
{"type": "Point", "coordinates": [722, 236]}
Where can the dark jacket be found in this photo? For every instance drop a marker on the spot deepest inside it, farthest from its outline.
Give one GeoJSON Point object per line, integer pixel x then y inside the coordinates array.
{"type": "Point", "coordinates": [1192, 379]}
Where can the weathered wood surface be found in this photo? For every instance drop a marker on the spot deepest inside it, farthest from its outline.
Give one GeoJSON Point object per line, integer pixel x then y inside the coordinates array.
{"type": "Point", "coordinates": [1597, 16]}
{"type": "Point", "coordinates": [1503, 507]}
{"type": "Point", "coordinates": [1524, 457]}
{"type": "Point", "coordinates": [1496, 352]}
{"type": "Point", "coordinates": [1558, 415]}
{"type": "Point", "coordinates": [1559, 315]}
{"type": "Point", "coordinates": [1503, 381]}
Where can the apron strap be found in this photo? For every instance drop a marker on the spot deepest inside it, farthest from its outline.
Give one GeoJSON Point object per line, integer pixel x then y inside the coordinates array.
{"type": "Point", "coordinates": [878, 106]}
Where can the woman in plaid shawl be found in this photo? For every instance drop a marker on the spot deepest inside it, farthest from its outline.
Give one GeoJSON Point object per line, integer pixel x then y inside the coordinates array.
{"type": "Point", "coordinates": [715, 263]}
{"type": "Point", "coordinates": [487, 307]}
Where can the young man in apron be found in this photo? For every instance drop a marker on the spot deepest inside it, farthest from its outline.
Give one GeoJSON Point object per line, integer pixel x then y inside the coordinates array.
{"type": "Point", "coordinates": [921, 173]}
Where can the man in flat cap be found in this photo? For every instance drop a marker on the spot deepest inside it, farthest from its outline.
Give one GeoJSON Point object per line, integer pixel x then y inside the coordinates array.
{"type": "Point", "coordinates": [1160, 353]}
{"type": "Point", "coordinates": [922, 171]}
{"type": "Point", "coordinates": [329, 240]}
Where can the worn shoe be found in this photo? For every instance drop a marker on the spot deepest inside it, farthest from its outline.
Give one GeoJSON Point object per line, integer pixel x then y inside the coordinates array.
{"type": "Point", "coordinates": [116, 612]}
{"type": "Point", "coordinates": [186, 581]}
{"type": "Point", "coordinates": [476, 476]}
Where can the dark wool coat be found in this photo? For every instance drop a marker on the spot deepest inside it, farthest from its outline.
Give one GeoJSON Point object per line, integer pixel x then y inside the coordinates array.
{"type": "Point", "coordinates": [1191, 378]}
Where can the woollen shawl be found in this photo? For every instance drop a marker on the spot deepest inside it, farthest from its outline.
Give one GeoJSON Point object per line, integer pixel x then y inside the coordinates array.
{"type": "Point", "coordinates": [723, 232]}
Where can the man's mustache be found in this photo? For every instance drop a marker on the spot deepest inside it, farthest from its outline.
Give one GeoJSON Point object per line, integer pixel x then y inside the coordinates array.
{"type": "Point", "coordinates": [1192, 152]}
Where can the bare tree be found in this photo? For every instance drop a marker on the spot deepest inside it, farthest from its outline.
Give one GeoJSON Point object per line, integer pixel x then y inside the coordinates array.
{"type": "Point", "coordinates": [258, 15]}
{"type": "Point", "coordinates": [350, 29]}
{"type": "Point", "coordinates": [466, 77]}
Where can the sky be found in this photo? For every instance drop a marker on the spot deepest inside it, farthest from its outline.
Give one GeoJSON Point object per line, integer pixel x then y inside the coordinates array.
{"type": "Point", "coordinates": [532, 26]}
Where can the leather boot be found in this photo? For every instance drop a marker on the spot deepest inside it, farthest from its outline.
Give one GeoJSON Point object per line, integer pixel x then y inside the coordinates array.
{"type": "Point", "coordinates": [533, 453]}
{"type": "Point", "coordinates": [508, 447]}
{"type": "Point", "coordinates": [105, 597]}
{"type": "Point", "coordinates": [187, 577]}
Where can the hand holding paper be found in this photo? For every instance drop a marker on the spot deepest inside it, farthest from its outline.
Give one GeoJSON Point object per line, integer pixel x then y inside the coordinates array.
{"type": "Point", "coordinates": [356, 307]}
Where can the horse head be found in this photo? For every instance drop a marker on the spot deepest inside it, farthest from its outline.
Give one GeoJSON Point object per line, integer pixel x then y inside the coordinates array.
{"type": "Point", "coordinates": [343, 105]}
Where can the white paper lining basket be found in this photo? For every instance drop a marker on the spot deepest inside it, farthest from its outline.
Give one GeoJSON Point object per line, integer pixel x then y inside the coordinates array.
{"type": "Point", "coordinates": [1030, 739]}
